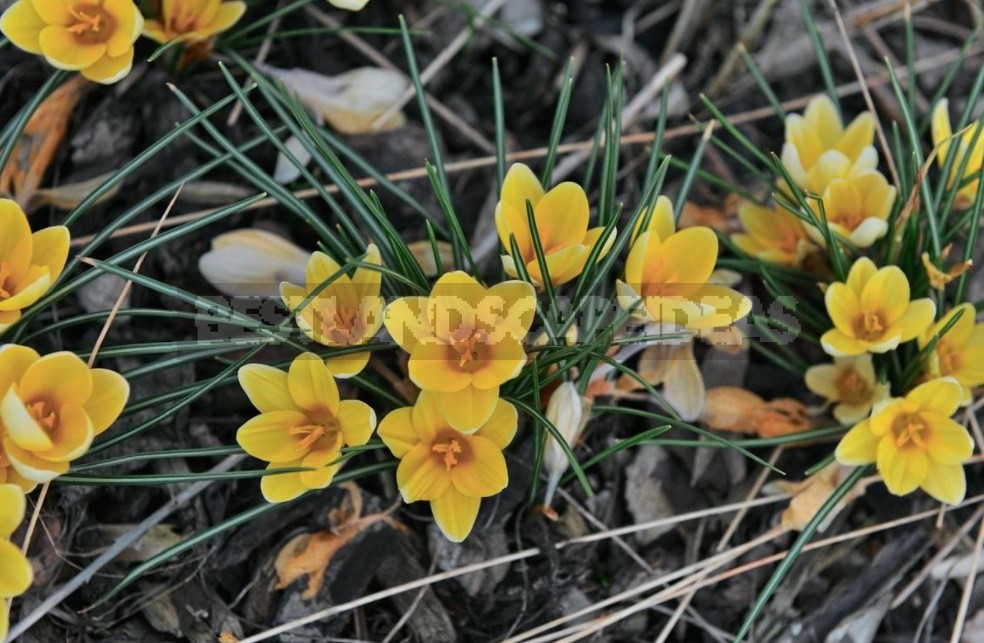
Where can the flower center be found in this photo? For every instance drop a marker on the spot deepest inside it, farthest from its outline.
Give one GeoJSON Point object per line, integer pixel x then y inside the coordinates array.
{"type": "Point", "coordinates": [870, 326]}
{"type": "Point", "coordinates": [308, 434]}
{"type": "Point", "coordinates": [44, 417]}
{"type": "Point", "coordinates": [852, 388]}
{"type": "Point", "coordinates": [789, 241]}
{"type": "Point", "coordinates": [183, 18]}
{"type": "Point", "coordinates": [91, 23]}
{"type": "Point", "coordinates": [450, 449]}
{"type": "Point", "coordinates": [909, 428]}
{"type": "Point", "coordinates": [949, 359]}
{"type": "Point", "coordinates": [4, 276]}
{"type": "Point", "coordinates": [467, 343]}
{"type": "Point", "coordinates": [343, 327]}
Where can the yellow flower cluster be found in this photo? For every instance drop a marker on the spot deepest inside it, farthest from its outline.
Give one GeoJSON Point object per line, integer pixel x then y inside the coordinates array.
{"type": "Point", "coordinates": [912, 440]}
{"type": "Point", "coordinates": [96, 37]}
{"type": "Point", "coordinates": [16, 574]}
{"type": "Point", "coordinates": [838, 165]}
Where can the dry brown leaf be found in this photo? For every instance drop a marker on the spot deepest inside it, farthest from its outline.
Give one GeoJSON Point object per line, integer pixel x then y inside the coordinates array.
{"type": "Point", "coordinates": [939, 279]}
{"type": "Point", "coordinates": [66, 197]}
{"type": "Point", "coordinates": [810, 494]}
{"type": "Point", "coordinates": [423, 252]}
{"type": "Point", "coordinates": [729, 408]}
{"type": "Point", "coordinates": [228, 637]}
{"type": "Point", "coordinates": [36, 148]}
{"type": "Point", "coordinates": [311, 554]}
{"type": "Point", "coordinates": [717, 217]}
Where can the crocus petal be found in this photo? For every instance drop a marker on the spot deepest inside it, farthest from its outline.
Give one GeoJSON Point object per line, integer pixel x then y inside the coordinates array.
{"type": "Point", "coordinates": [684, 385]}
{"type": "Point", "coordinates": [16, 575]}
{"type": "Point", "coordinates": [20, 425]}
{"type": "Point", "coordinates": [859, 446]}
{"type": "Point", "coordinates": [64, 51]}
{"type": "Point", "coordinates": [266, 436]}
{"type": "Point", "coordinates": [30, 466]}
{"type": "Point", "coordinates": [501, 426]}
{"type": "Point", "coordinates": [435, 366]}
{"type": "Point", "coordinates": [916, 319]}
{"type": "Point", "coordinates": [661, 220]}
{"type": "Point", "coordinates": [50, 247]}
{"type": "Point", "coordinates": [563, 265]}
{"type": "Point", "coordinates": [14, 361]}
{"type": "Point", "coordinates": [311, 385]}
{"type": "Point", "coordinates": [228, 14]}
{"type": "Point", "coordinates": [520, 185]}
{"type": "Point", "coordinates": [946, 483]}
{"type": "Point", "coordinates": [468, 409]}
{"type": "Point", "coordinates": [36, 282]}
{"type": "Point", "coordinates": [22, 24]}
{"type": "Point", "coordinates": [266, 388]}
{"type": "Point", "coordinates": [940, 396]}
{"type": "Point", "coordinates": [513, 304]}
{"type": "Point", "coordinates": [12, 501]}
{"type": "Point", "coordinates": [110, 392]}
{"type": "Point", "coordinates": [406, 321]}
{"type": "Point", "coordinates": [842, 306]}
{"type": "Point", "coordinates": [7, 319]}
{"type": "Point", "coordinates": [686, 258]}
{"type": "Point", "coordinates": [837, 344]}
{"type": "Point", "coordinates": [455, 514]}
{"type": "Point", "coordinates": [562, 216]}
{"type": "Point", "coordinates": [397, 432]}
{"type": "Point", "coordinates": [949, 443]}
{"type": "Point", "coordinates": [109, 69]}
{"type": "Point", "coordinates": [323, 471]}
{"type": "Point", "coordinates": [822, 381]}
{"type": "Point", "coordinates": [903, 469]}
{"type": "Point", "coordinates": [505, 360]}
{"type": "Point", "coordinates": [282, 487]}
{"type": "Point", "coordinates": [484, 473]}
{"type": "Point", "coordinates": [347, 365]}
{"type": "Point", "coordinates": [357, 421]}
{"type": "Point", "coordinates": [858, 135]}
{"type": "Point", "coordinates": [860, 274]}
{"type": "Point", "coordinates": [59, 379]}
{"type": "Point", "coordinates": [365, 280]}
{"type": "Point", "coordinates": [869, 231]}
{"type": "Point", "coordinates": [54, 12]}
{"type": "Point", "coordinates": [420, 476]}
{"type": "Point", "coordinates": [848, 414]}
{"type": "Point", "coordinates": [129, 23]}
{"type": "Point", "coordinates": [888, 293]}
{"type": "Point", "coordinates": [72, 436]}
{"type": "Point", "coordinates": [428, 419]}
{"type": "Point", "coordinates": [941, 130]}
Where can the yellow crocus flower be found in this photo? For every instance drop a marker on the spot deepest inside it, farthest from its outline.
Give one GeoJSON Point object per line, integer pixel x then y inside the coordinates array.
{"type": "Point", "coordinates": [450, 469]}
{"type": "Point", "coordinates": [960, 352]}
{"type": "Point", "coordinates": [29, 263]}
{"type": "Point", "coordinates": [819, 148]}
{"type": "Point", "coordinates": [93, 37]}
{"type": "Point", "coordinates": [193, 21]}
{"type": "Point", "coordinates": [302, 423]}
{"type": "Point", "coordinates": [52, 407]}
{"type": "Point", "coordinates": [856, 208]}
{"type": "Point", "coordinates": [348, 5]}
{"type": "Point", "coordinates": [561, 217]}
{"type": "Point", "coordinates": [464, 341]}
{"type": "Point", "coordinates": [871, 312]}
{"type": "Point", "coordinates": [348, 312]}
{"type": "Point", "coordinates": [16, 574]}
{"type": "Point", "coordinates": [914, 442]}
{"type": "Point", "coordinates": [774, 234]}
{"type": "Point", "coordinates": [850, 383]}
{"type": "Point", "coordinates": [943, 138]}
{"type": "Point", "coordinates": [672, 276]}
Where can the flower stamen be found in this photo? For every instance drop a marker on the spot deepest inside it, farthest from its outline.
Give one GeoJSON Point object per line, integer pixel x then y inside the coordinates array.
{"type": "Point", "coordinates": [311, 432]}
{"type": "Point", "coordinates": [450, 449]}
{"type": "Point", "coordinates": [910, 429]}
{"type": "Point", "coordinates": [46, 420]}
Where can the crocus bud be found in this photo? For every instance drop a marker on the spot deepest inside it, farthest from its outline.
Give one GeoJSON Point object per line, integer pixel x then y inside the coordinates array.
{"type": "Point", "coordinates": [252, 262]}
{"type": "Point", "coordinates": [569, 413]}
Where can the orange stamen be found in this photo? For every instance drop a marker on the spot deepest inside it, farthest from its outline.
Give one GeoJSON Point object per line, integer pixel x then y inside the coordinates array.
{"type": "Point", "coordinates": [450, 449]}
{"type": "Point", "coordinates": [85, 22]}
{"type": "Point", "coordinates": [37, 411]}
{"type": "Point", "coordinates": [311, 432]}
